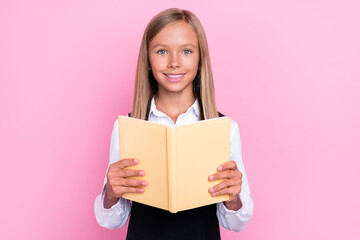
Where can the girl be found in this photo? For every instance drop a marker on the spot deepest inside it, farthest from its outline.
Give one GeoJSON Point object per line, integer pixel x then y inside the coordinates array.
{"type": "Point", "coordinates": [174, 86]}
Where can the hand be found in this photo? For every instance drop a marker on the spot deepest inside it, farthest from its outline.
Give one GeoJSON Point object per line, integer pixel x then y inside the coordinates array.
{"type": "Point", "coordinates": [230, 185]}
{"type": "Point", "coordinates": [118, 184]}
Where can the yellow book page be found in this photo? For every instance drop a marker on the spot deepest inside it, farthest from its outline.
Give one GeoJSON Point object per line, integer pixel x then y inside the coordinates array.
{"type": "Point", "coordinates": [201, 148]}
{"type": "Point", "coordinates": [146, 141]}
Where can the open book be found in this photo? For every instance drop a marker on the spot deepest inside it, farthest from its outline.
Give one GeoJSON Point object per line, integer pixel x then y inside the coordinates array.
{"type": "Point", "coordinates": [177, 160]}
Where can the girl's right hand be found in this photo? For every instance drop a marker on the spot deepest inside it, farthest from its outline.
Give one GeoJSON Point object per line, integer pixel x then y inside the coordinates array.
{"type": "Point", "coordinates": [118, 184]}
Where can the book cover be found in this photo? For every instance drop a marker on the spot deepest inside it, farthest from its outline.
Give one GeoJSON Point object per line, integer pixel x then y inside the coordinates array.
{"type": "Point", "coordinates": [177, 160]}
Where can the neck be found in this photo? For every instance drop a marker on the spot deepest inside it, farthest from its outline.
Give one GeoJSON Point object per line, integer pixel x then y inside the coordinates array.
{"type": "Point", "coordinates": [174, 104]}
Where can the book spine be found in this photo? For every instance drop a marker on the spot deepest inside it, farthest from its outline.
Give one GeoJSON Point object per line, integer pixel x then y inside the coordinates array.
{"type": "Point", "coordinates": [171, 146]}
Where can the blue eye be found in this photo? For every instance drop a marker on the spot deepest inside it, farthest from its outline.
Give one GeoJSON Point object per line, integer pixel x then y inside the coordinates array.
{"type": "Point", "coordinates": [161, 52]}
{"type": "Point", "coordinates": [187, 51]}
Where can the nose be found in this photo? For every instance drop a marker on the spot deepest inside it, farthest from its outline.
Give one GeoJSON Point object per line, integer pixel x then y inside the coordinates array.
{"type": "Point", "coordinates": [174, 60]}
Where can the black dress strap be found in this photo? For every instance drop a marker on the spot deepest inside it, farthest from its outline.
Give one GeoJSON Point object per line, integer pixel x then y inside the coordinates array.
{"type": "Point", "coordinates": [221, 115]}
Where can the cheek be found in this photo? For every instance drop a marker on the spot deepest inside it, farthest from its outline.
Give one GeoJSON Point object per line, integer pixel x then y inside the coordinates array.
{"type": "Point", "coordinates": [153, 60]}
{"type": "Point", "coordinates": [192, 64]}
{"type": "Point", "coordinates": [157, 63]}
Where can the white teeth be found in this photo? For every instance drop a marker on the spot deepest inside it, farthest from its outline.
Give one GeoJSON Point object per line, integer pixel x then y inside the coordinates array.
{"type": "Point", "coordinates": [175, 76]}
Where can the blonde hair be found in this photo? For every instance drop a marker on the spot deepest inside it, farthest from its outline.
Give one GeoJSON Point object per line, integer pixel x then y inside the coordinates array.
{"type": "Point", "coordinates": [145, 83]}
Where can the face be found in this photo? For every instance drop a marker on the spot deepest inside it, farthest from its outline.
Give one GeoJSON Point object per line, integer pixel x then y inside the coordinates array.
{"type": "Point", "coordinates": [174, 58]}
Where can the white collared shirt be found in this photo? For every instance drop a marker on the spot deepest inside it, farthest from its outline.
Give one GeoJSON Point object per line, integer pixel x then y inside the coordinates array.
{"type": "Point", "coordinates": [118, 214]}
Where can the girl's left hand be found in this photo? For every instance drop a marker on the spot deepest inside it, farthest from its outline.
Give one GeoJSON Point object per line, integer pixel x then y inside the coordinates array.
{"type": "Point", "coordinates": [230, 185]}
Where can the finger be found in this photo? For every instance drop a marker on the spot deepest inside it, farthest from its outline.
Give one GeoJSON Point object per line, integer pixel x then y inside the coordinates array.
{"type": "Point", "coordinates": [231, 165]}
{"type": "Point", "coordinates": [127, 183]}
{"type": "Point", "coordinates": [125, 163]}
{"type": "Point", "coordinates": [130, 173]}
{"type": "Point", "coordinates": [225, 175]}
{"type": "Point", "coordinates": [123, 190]}
{"type": "Point", "coordinates": [235, 190]}
{"type": "Point", "coordinates": [225, 184]}
{"type": "Point", "coordinates": [123, 173]}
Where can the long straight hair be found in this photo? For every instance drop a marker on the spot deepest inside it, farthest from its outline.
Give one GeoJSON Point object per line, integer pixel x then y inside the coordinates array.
{"type": "Point", "coordinates": [146, 85]}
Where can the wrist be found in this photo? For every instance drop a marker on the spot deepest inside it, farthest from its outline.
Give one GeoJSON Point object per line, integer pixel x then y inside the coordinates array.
{"type": "Point", "coordinates": [109, 201]}
{"type": "Point", "coordinates": [234, 204]}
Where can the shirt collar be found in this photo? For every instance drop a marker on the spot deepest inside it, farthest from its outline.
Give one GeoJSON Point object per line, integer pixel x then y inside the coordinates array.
{"type": "Point", "coordinates": [194, 107]}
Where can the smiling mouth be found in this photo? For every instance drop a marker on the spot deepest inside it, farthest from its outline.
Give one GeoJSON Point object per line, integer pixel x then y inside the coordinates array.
{"type": "Point", "coordinates": [174, 77]}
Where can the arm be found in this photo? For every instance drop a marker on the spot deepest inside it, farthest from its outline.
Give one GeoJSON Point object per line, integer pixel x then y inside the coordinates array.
{"type": "Point", "coordinates": [238, 218]}
{"type": "Point", "coordinates": [117, 215]}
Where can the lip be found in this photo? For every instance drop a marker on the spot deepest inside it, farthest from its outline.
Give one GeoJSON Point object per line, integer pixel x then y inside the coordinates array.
{"type": "Point", "coordinates": [171, 79]}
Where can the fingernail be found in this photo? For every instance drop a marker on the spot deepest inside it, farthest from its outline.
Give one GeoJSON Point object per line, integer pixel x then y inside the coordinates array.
{"type": "Point", "coordinates": [136, 161]}
{"type": "Point", "coordinates": [213, 194]}
{"type": "Point", "coordinates": [141, 190]}
{"type": "Point", "coordinates": [220, 168]}
{"type": "Point", "coordinates": [141, 173]}
{"type": "Point", "coordinates": [211, 177]}
{"type": "Point", "coordinates": [211, 189]}
{"type": "Point", "coordinates": [144, 183]}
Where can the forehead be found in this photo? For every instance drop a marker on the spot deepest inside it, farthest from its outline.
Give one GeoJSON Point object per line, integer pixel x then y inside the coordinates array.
{"type": "Point", "coordinates": [178, 33]}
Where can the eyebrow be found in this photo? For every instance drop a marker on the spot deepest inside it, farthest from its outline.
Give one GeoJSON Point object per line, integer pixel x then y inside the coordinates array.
{"type": "Point", "coordinates": [183, 45]}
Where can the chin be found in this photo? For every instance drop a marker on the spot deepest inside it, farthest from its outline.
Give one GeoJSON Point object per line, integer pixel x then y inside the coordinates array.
{"type": "Point", "coordinates": [176, 89]}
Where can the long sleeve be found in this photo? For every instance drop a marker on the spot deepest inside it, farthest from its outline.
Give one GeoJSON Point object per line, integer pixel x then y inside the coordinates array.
{"type": "Point", "coordinates": [118, 214]}
{"type": "Point", "coordinates": [229, 219]}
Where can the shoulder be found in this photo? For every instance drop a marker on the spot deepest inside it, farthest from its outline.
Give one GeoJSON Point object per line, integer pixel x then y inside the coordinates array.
{"type": "Point", "coordinates": [116, 123]}
{"type": "Point", "coordinates": [234, 125]}
{"type": "Point", "coordinates": [234, 128]}
{"type": "Point", "coordinates": [235, 139]}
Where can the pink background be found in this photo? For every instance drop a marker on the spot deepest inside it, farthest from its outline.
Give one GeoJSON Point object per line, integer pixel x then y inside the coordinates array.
{"type": "Point", "coordinates": [286, 71]}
